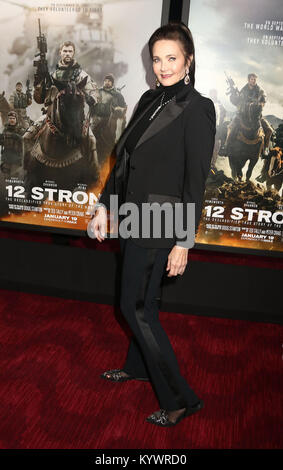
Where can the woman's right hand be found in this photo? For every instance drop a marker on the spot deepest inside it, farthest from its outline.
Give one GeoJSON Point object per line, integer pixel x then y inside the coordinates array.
{"type": "Point", "coordinates": [99, 223]}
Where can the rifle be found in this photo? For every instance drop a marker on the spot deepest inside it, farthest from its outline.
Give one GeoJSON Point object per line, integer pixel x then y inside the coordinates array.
{"type": "Point", "coordinates": [232, 87]}
{"type": "Point", "coordinates": [42, 72]}
{"type": "Point", "coordinates": [121, 88]}
{"type": "Point", "coordinates": [28, 89]}
{"type": "Point", "coordinates": [6, 137]}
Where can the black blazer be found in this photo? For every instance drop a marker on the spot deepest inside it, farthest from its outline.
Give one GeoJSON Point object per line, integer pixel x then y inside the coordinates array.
{"type": "Point", "coordinates": [171, 160]}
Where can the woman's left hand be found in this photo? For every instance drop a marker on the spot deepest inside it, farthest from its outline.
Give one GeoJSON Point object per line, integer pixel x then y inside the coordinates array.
{"type": "Point", "coordinates": [177, 261]}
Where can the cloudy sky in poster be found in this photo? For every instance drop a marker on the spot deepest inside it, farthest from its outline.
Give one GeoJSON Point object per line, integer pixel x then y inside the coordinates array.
{"type": "Point", "coordinates": [223, 42]}
{"type": "Point", "coordinates": [129, 22]}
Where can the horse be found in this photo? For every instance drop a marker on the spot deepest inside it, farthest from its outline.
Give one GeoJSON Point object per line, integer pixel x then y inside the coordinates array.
{"type": "Point", "coordinates": [61, 148]}
{"type": "Point", "coordinates": [107, 130]}
{"type": "Point", "coordinates": [248, 143]}
{"type": "Point", "coordinates": [274, 175]}
{"type": "Point", "coordinates": [4, 108]}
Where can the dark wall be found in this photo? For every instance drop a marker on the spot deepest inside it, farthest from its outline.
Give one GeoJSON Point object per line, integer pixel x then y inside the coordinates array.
{"type": "Point", "coordinates": [208, 287]}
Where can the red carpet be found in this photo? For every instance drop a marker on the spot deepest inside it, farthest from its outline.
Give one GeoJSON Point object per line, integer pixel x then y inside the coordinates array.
{"type": "Point", "coordinates": [51, 395]}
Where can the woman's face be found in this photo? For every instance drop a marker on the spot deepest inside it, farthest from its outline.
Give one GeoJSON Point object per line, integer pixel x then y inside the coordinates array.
{"type": "Point", "coordinates": [169, 63]}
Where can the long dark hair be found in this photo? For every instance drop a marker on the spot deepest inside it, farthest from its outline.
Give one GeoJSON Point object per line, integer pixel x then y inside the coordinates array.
{"type": "Point", "coordinates": [176, 31]}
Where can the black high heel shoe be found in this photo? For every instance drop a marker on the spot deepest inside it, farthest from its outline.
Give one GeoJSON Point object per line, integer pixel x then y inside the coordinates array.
{"type": "Point", "coordinates": [115, 376]}
{"type": "Point", "coordinates": [161, 417]}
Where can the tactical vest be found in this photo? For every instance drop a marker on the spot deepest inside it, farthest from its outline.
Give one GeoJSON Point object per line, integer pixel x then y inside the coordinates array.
{"type": "Point", "coordinates": [112, 95]}
{"type": "Point", "coordinates": [67, 74]}
{"type": "Point", "coordinates": [12, 148]}
{"type": "Point", "coordinates": [252, 95]}
{"type": "Point", "coordinates": [20, 100]}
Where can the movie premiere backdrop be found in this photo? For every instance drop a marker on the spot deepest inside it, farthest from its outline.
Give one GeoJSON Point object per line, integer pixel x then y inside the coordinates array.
{"type": "Point", "coordinates": [56, 141]}
{"type": "Point", "coordinates": [239, 65]}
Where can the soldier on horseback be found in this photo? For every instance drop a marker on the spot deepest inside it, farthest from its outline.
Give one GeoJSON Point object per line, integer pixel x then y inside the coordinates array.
{"type": "Point", "coordinates": [250, 93]}
{"type": "Point", "coordinates": [67, 70]}
{"type": "Point", "coordinates": [60, 145]}
{"type": "Point", "coordinates": [19, 101]}
{"type": "Point", "coordinates": [12, 147]}
{"type": "Point", "coordinates": [105, 116]}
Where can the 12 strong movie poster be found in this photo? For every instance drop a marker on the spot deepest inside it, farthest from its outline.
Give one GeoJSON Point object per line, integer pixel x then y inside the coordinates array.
{"type": "Point", "coordinates": [70, 76]}
{"type": "Point", "coordinates": [239, 59]}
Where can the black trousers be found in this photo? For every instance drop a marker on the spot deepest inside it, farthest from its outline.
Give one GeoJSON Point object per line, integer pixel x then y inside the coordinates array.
{"type": "Point", "coordinates": [150, 352]}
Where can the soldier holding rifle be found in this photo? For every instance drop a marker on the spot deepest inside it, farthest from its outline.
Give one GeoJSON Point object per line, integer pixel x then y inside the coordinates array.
{"type": "Point", "coordinates": [19, 101]}
{"type": "Point", "coordinates": [67, 70]}
{"type": "Point", "coordinates": [250, 93]}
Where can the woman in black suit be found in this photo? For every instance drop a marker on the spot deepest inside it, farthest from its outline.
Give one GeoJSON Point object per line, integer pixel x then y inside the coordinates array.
{"type": "Point", "coordinates": [164, 155]}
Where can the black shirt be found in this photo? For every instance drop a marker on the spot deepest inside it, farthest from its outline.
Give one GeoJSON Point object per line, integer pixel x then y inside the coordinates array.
{"type": "Point", "coordinates": [168, 91]}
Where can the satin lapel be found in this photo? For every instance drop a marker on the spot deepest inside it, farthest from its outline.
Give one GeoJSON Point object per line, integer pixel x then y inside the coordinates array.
{"type": "Point", "coordinates": [170, 112]}
{"type": "Point", "coordinates": [131, 124]}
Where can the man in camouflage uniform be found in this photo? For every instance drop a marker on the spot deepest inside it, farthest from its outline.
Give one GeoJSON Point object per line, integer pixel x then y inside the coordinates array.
{"type": "Point", "coordinates": [19, 101]}
{"type": "Point", "coordinates": [67, 70]}
{"type": "Point", "coordinates": [105, 114]}
{"type": "Point", "coordinates": [250, 93]}
{"type": "Point", "coordinates": [12, 147]}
